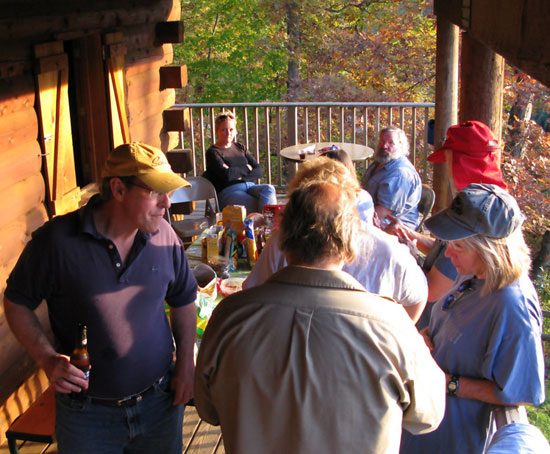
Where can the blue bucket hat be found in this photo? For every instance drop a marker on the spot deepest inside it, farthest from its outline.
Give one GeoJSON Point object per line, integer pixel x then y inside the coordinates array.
{"type": "Point", "coordinates": [479, 209]}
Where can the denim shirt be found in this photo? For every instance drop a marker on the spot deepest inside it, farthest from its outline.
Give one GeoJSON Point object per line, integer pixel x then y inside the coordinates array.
{"type": "Point", "coordinates": [395, 186]}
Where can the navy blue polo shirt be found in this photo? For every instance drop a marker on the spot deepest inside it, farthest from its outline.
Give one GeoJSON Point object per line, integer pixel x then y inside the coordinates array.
{"type": "Point", "coordinates": [81, 276]}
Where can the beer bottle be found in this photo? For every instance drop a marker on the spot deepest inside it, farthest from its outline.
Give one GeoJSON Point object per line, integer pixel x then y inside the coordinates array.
{"type": "Point", "coordinates": [79, 356]}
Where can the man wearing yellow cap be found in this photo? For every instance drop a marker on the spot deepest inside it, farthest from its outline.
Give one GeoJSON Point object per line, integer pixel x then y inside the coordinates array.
{"type": "Point", "coordinates": [111, 265]}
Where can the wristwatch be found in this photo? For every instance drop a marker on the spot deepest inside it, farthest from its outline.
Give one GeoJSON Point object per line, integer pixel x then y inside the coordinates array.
{"type": "Point", "coordinates": [452, 386]}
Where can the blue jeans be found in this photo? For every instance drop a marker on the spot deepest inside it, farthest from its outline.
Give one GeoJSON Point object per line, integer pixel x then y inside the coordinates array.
{"type": "Point", "coordinates": [151, 426]}
{"type": "Point", "coordinates": [252, 196]}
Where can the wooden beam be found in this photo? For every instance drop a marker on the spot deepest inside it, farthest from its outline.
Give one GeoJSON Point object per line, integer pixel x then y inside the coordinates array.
{"type": "Point", "coordinates": [173, 76]}
{"type": "Point", "coordinates": [13, 68]}
{"type": "Point", "coordinates": [481, 84]}
{"type": "Point", "coordinates": [176, 119]}
{"type": "Point", "coordinates": [446, 103]}
{"type": "Point", "coordinates": [180, 160]}
{"type": "Point", "coordinates": [515, 29]}
{"type": "Point", "coordinates": [169, 32]}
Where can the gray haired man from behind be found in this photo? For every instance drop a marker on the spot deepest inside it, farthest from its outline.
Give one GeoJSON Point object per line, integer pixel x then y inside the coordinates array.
{"type": "Point", "coordinates": [310, 361]}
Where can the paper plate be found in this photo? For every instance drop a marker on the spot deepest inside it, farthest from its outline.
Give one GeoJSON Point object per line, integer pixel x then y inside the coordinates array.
{"type": "Point", "coordinates": [231, 285]}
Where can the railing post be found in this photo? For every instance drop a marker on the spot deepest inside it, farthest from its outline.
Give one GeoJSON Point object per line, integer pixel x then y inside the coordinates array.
{"type": "Point", "coordinates": [413, 142]}
{"type": "Point", "coordinates": [382, 113]}
{"type": "Point", "coordinates": [318, 124]}
{"type": "Point", "coordinates": [267, 144]}
{"type": "Point", "coordinates": [292, 125]}
{"type": "Point", "coordinates": [212, 125]}
{"type": "Point", "coordinates": [245, 120]}
{"type": "Point", "coordinates": [342, 124]}
{"type": "Point", "coordinates": [203, 151]}
{"type": "Point", "coordinates": [192, 140]}
{"type": "Point", "coordinates": [329, 125]}
{"type": "Point", "coordinates": [306, 125]}
{"type": "Point", "coordinates": [279, 160]}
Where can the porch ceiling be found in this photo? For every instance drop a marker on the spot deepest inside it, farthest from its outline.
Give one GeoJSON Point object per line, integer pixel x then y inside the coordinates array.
{"type": "Point", "coordinates": [515, 29]}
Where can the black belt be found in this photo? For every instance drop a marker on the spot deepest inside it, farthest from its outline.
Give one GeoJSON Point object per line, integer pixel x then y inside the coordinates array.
{"type": "Point", "coordinates": [128, 401]}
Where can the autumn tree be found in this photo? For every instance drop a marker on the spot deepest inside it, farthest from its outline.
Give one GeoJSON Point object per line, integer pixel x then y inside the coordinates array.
{"type": "Point", "coordinates": [314, 50]}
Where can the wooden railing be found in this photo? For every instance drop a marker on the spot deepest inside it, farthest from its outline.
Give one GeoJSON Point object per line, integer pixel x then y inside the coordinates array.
{"type": "Point", "coordinates": [266, 128]}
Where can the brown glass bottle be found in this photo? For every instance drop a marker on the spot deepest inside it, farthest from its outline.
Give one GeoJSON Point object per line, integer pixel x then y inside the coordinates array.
{"type": "Point", "coordinates": [80, 357]}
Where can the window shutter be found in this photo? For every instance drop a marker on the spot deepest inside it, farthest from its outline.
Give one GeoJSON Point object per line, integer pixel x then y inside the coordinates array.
{"type": "Point", "coordinates": [52, 73]}
{"type": "Point", "coordinates": [115, 49]}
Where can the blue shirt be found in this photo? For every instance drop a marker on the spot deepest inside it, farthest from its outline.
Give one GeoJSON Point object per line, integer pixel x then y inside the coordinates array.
{"type": "Point", "coordinates": [80, 274]}
{"type": "Point", "coordinates": [365, 206]}
{"type": "Point", "coordinates": [495, 337]}
{"type": "Point", "coordinates": [518, 438]}
{"type": "Point", "coordinates": [397, 187]}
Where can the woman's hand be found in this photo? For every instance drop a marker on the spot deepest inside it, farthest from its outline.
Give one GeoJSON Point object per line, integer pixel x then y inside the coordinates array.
{"type": "Point", "coordinates": [397, 228]}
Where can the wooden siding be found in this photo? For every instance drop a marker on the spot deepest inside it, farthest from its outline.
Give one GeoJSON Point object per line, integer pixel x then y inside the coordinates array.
{"type": "Point", "coordinates": [23, 195]}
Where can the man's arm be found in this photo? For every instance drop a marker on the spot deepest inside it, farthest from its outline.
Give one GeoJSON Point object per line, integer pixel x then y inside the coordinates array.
{"type": "Point", "coordinates": [184, 325]}
{"type": "Point", "coordinates": [26, 327]}
{"type": "Point", "coordinates": [426, 386]}
{"type": "Point", "coordinates": [469, 388]}
{"type": "Point", "coordinates": [438, 284]}
{"type": "Point", "coordinates": [405, 234]}
{"type": "Point", "coordinates": [382, 212]}
{"type": "Point", "coordinates": [415, 311]}
{"type": "Point", "coordinates": [477, 389]}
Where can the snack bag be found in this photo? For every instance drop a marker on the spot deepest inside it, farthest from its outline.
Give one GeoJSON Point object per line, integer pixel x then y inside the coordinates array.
{"type": "Point", "coordinates": [233, 216]}
{"type": "Point", "coordinates": [250, 242]}
{"type": "Point", "coordinates": [206, 296]}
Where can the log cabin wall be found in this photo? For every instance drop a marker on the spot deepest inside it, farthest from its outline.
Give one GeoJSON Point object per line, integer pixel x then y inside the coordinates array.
{"type": "Point", "coordinates": [125, 32]}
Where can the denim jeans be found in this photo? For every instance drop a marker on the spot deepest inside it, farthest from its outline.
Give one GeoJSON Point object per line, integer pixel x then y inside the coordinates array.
{"type": "Point", "coordinates": [252, 196]}
{"type": "Point", "coordinates": [151, 426]}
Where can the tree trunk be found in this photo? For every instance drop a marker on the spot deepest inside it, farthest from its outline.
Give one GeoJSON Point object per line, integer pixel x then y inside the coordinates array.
{"type": "Point", "coordinates": [520, 113]}
{"type": "Point", "coordinates": [542, 258]}
{"type": "Point", "coordinates": [293, 47]}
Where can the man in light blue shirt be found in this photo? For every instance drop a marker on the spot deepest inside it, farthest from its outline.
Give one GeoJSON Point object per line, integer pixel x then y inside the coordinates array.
{"type": "Point", "coordinates": [392, 180]}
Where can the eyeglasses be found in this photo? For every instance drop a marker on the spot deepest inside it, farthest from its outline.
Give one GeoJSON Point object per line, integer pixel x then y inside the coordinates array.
{"type": "Point", "coordinates": [454, 297]}
{"type": "Point", "coordinates": [151, 193]}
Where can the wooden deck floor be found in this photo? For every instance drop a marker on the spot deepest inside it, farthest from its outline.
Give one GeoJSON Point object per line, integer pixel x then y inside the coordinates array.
{"type": "Point", "coordinates": [199, 437]}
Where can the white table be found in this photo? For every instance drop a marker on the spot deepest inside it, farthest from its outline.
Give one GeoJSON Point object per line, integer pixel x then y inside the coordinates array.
{"type": "Point", "coordinates": [356, 151]}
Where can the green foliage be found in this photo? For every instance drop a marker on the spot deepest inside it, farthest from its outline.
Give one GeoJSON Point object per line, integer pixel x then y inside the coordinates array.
{"type": "Point", "coordinates": [232, 52]}
{"type": "Point", "coordinates": [540, 415]}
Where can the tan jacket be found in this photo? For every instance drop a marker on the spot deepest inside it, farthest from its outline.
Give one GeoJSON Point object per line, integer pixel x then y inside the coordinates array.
{"type": "Point", "coordinates": [310, 362]}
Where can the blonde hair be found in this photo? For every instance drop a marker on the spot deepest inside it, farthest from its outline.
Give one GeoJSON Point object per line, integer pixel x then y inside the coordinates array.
{"type": "Point", "coordinates": [224, 115]}
{"type": "Point", "coordinates": [320, 222]}
{"type": "Point", "coordinates": [325, 169]}
{"type": "Point", "coordinates": [505, 259]}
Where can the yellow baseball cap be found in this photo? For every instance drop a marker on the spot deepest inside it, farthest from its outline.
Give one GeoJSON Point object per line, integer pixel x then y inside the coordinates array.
{"type": "Point", "coordinates": [145, 162]}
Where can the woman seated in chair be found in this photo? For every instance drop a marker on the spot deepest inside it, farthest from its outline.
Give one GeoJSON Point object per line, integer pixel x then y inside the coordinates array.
{"type": "Point", "coordinates": [232, 170]}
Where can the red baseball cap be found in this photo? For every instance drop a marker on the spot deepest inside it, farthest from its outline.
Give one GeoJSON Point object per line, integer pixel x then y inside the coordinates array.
{"type": "Point", "coordinates": [476, 154]}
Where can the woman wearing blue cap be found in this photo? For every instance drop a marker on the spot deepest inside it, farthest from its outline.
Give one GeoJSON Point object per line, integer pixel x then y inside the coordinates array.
{"type": "Point", "coordinates": [485, 334]}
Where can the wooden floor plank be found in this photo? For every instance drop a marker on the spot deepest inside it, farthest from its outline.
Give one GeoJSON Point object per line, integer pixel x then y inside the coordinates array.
{"type": "Point", "coordinates": [199, 437]}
